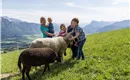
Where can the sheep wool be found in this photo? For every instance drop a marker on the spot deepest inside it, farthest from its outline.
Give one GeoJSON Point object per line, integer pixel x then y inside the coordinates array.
{"type": "Point", "coordinates": [58, 44]}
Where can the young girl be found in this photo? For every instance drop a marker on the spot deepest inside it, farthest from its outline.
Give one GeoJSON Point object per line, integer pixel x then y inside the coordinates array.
{"type": "Point", "coordinates": [62, 30]}
{"type": "Point", "coordinates": [44, 29]}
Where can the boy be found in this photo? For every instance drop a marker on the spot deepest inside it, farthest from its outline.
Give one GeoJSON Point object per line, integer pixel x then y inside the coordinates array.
{"type": "Point", "coordinates": [79, 33]}
{"type": "Point", "coordinates": [50, 27]}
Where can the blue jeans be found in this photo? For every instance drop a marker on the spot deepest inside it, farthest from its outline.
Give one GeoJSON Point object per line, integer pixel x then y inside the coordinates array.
{"type": "Point", "coordinates": [80, 47]}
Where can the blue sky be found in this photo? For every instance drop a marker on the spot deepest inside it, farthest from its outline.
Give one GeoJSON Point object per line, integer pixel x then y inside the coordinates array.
{"type": "Point", "coordinates": [62, 11]}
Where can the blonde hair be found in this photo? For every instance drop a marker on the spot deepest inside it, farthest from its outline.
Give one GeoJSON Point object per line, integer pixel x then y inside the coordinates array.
{"type": "Point", "coordinates": [63, 25]}
{"type": "Point", "coordinates": [41, 19]}
{"type": "Point", "coordinates": [49, 18]}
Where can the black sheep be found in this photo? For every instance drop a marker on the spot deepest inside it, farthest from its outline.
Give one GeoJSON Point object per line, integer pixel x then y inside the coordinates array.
{"type": "Point", "coordinates": [36, 57]}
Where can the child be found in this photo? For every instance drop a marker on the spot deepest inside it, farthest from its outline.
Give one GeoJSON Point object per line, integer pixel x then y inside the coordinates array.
{"type": "Point", "coordinates": [50, 27]}
{"type": "Point", "coordinates": [62, 30]}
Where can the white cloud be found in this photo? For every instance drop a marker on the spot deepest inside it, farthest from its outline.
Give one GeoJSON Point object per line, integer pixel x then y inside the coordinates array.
{"type": "Point", "coordinates": [120, 1]}
{"type": "Point", "coordinates": [34, 16]}
{"type": "Point", "coordinates": [98, 13]}
{"type": "Point", "coordinates": [0, 3]}
{"type": "Point", "coordinates": [111, 13]}
{"type": "Point", "coordinates": [70, 4]}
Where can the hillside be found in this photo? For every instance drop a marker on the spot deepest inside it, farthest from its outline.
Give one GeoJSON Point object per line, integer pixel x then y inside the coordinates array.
{"type": "Point", "coordinates": [115, 26]}
{"type": "Point", "coordinates": [104, 26]}
{"type": "Point", "coordinates": [107, 58]}
{"type": "Point", "coordinates": [11, 28]}
{"type": "Point", "coordinates": [94, 26]}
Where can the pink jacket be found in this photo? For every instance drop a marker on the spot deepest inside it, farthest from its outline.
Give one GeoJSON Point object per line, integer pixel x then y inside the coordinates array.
{"type": "Point", "coordinates": [62, 33]}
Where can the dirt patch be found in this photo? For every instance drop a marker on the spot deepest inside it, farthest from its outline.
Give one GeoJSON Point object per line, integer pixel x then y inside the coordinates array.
{"type": "Point", "coordinates": [6, 76]}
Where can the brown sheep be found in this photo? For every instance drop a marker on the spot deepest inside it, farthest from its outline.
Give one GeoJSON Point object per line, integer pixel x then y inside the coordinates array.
{"type": "Point", "coordinates": [36, 57]}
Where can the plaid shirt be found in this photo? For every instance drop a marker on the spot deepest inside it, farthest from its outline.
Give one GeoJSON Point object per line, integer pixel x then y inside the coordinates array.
{"type": "Point", "coordinates": [82, 34]}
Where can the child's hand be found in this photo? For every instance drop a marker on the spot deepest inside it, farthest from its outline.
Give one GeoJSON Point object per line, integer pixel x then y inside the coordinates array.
{"type": "Point", "coordinates": [71, 38]}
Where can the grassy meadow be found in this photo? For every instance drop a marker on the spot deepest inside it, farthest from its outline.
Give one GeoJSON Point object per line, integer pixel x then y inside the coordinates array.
{"type": "Point", "coordinates": [107, 57]}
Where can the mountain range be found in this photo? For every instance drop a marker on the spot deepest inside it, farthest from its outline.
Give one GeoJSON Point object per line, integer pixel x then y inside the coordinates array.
{"type": "Point", "coordinates": [115, 26]}
{"type": "Point", "coordinates": [11, 27]}
{"type": "Point", "coordinates": [103, 26]}
{"type": "Point", "coordinates": [94, 26]}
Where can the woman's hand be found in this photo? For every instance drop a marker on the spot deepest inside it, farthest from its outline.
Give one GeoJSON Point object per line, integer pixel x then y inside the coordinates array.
{"type": "Point", "coordinates": [53, 34]}
{"type": "Point", "coordinates": [49, 34]}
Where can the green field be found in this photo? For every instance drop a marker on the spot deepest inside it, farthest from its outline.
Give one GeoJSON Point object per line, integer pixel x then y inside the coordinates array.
{"type": "Point", "coordinates": [107, 57]}
{"type": "Point", "coordinates": [11, 44]}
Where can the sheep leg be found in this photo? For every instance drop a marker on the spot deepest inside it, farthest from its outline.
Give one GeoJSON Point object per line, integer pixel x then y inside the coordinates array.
{"type": "Point", "coordinates": [23, 71]}
{"type": "Point", "coordinates": [65, 53]}
{"type": "Point", "coordinates": [44, 69]}
{"type": "Point", "coordinates": [61, 57]}
{"type": "Point", "coordinates": [41, 67]}
{"type": "Point", "coordinates": [62, 60]}
{"type": "Point", "coordinates": [48, 67]}
{"type": "Point", "coordinates": [27, 72]}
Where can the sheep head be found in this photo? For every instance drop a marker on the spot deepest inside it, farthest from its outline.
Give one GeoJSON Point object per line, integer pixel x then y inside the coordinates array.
{"type": "Point", "coordinates": [67, 37]}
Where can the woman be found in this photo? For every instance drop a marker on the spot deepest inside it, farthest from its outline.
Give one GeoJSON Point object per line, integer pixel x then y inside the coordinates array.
{"type": "Point", "coordinates": [80, 35]}
{"type": "Point", "coordinates": [44, 28]}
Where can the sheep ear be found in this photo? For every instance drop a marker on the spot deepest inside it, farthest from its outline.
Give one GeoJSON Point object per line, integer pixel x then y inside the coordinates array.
{"type": "Point", "coordinates": [66, 38]}
{"type": "Point", "coordinates": [72, 32]}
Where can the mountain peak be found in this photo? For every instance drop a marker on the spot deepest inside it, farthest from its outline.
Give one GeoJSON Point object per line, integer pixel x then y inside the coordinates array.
{"type": "Point", "coordinates": [93, 22]}
{"type": "Point", "coordinates": [11, 19]}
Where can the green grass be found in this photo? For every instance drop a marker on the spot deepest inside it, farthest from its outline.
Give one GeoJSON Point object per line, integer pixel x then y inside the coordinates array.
{"type": "Point", "coordinates": [107, 57]}
{"type": "Point", "coordinates": [29, 38]}
{"type": "Point", "coordinates": [9, 62]}
{"type": "Point", "coordinates": [24, 38]}
{"type": "Point", "coordinates": [10, 43]}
